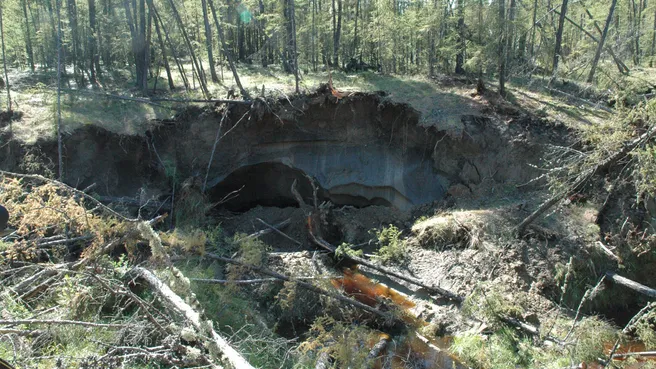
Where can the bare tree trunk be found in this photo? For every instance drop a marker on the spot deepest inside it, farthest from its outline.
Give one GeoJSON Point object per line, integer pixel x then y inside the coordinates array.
{"type": "Point", "coordinates": [133, 37]}
{"type": "Point", "coordinates": [600, 47]}
{"type": "Point", "coordinates": [60, 160]}
{"type": "Point", "coordinates": [143, 47]}
{"type": "Point", "coordinates": [460, 57]}
{"type": "Point", "coordinates": [337, 32]}
{"type": "Point", "coordinates": [162, 46]}
{"type": "Point", "coordinates": [559, 39]}
{"type": "Point", "coordinates": [221, 348]}
{"type": "Point", "coordinates": [187, 41]}
{"type": "Point", "coordinates": [502, 47]}
{"type": "Point", "coordinates": [78, 67]}
{"type": "Point", "coordinates": [314, 32]}
{"type": "Point", "coordinates": [620, 65]}
{"type": "Point", "coordinates": [355, 36]}
{"type": "Point", "coordinates": [295, 49]}
{"type": "Point", "coordinates": [585, 176]}
{"type": "Point", "coordinates": [511, 31]}
{"type": "Point", "coordinates": [158, 20]}
{"type": "Point", "coordinates": [637, 29]}
{"type": "Point", "coordinates": [94, 60]}
{"type": "Point", "coordinates": [4, 59]}
{"type": "Point", "coordinates": [653, 42]}
{"type": "Point", "coordinates": [28, 37]}
{"type": "Point", "coordinates": [208, 42]}
{"type": "Point", "coordinates": [219, 30]}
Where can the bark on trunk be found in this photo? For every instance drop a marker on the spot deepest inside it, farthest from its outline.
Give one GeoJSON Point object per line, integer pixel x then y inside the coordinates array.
{"type": "Point", "coordinates": [601, 41]}
{"type": "Point", "coordinates": [559, 39]}
{"type": "Point", "coordinates": [28, 37]}
{"type": "Point", "coordinates": [208, 42]}
{"type": "Point", "coordinates": [227, 52]}
{"type": "Point", "coordinates": [222, 347]}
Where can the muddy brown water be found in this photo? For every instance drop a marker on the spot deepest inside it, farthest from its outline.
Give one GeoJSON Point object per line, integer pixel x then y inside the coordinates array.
{"type": "Point", "coordinates": [410, 347]}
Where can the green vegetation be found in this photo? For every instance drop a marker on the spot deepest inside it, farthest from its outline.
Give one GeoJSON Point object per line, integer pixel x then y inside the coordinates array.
{"type": "Point", "coordinates": [392, 248]}
{"type": "Point", "coordinates": [506, 346]}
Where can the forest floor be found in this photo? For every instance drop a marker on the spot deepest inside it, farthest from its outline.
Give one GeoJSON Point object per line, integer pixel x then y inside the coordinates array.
{"type": "Point", "coordinates": [439, 99]}
{"type": "Point", "coordinates": [522, 294]}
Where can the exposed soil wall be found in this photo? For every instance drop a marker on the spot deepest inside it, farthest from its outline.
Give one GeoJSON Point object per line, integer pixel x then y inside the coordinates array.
{"type": "Point", "coordinates": [362, 150]}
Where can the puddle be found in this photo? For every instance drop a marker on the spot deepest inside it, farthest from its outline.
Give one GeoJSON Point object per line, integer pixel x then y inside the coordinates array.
{"type": "Point", "coordinates": [410, 350]}
{"type": "Point", "coordinates": [363, 289]}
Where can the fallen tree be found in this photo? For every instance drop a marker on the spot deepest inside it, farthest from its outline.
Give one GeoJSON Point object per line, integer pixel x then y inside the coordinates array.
{"type": "Point", "coordinates": [219, 346]}
{"type": "Point", "coordinates": [388, 319]}
{"type": "Point", "coordinates": [585, 176]}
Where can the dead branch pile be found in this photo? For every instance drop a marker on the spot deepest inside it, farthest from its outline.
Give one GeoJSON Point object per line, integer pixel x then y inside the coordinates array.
{"type": "Point", "coordinates": [71, 297]}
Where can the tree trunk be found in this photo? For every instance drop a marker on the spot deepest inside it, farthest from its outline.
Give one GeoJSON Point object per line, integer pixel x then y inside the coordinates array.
{"type": "Point", "coordinates": [4, 59]}
{"type": "Point", "coordinates": [295, 48]}
{"type": "Point", "coordinates": [28, 37]}
{"type": "Point", "coordinates": [133, 37]}
{"type": "Point", "coordinates": [187, 41]}
{"type": "Point", "coordinates": [158, 21]}
{"type": "Point", "coordinates": [221, 348]}
{"type": "Point", "coordinates": [533, 27]}
{"type": "Point", "coordinates": [653, 42]}
{"type": "Point", "coordinates": [585, 176]}
{"type": "Point", "coordinates": [162, 46]}
{"type": "Point", "coordinates": [510, 36]}
{"type": "Point", "coordinates": [502, 47]}
{"type": "Point", "coordinates": [620, 65]}
{"type": "Point", "coordinates": [208, 42]}
{"type": "Point", "coordinates": [78, 66]}
{"type": "Point", "coordinates": [559, 39]}
{"type": "Point", "coordinates": [337, 32]}
{"type": "Point", "coordinates": [637, 29]}
{"type": "Point", "coordinates": [104, 38]}
{"type": "Point", "coordinates": [60, 161]}
{"type": "Point", "coordinates": [460, 57]}
{"type": "Point", "coordinates": [219, 30]}
{"type": "Point", "coordinates": [600, 46]}
{"type": "Point", "coordinates": [355, 36]}
{"type": "Point", "coordinates": [289, 37]}
{"type": "Point", "coordinates": [94, 60]}
{"type": "Point", "coordinates": [314, 32]}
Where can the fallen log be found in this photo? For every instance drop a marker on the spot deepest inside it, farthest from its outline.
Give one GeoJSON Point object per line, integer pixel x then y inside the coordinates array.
{"type": "Point", "coordinates": [638, 287]}
{"type": "Point", "coordinates": [65, 241]}
{"type": "Point", "coordinates": [587, 102]}
{"type": "Point", "coordinates": [389, 319]}
{"type": "Point", "coordinates": [324, 244]}
{"type": "Point", "coordinates": [527, 328]}
{"type": "Point", "coordinates": [327, 246]}
{"type": "Point", "coordinates": [231, 356]}
{"type": "Point", "coordinates": [645, 354]}
{"type": "Point", "coordinates": [375, 351]}
{"type": "Point", "coordinates": [247, 281]}
{"type": "Point", "coordinates": [584, 177]}
{"type": "Point", "coordinates": [278, 231]}
{"type": "Point", "coordinates": [135, 203]}
{"type": "Point", "coordinates": [60, 322]}
{"type": "Point", "coordinates": [607, 251]}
